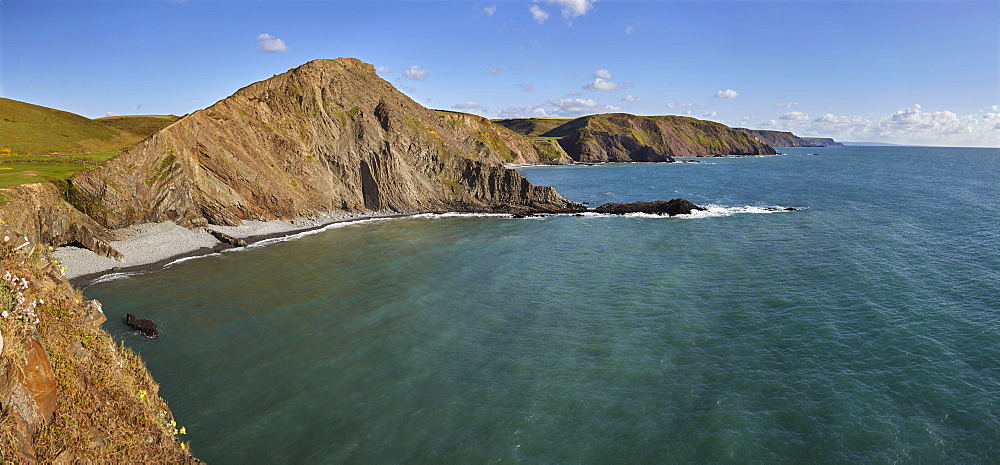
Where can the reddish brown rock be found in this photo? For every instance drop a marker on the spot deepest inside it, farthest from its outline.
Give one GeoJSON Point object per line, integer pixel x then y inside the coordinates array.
{"type": "Point", "coordinates": [329, 135]}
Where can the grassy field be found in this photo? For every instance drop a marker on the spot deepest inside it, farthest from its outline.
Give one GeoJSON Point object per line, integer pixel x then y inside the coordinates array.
{"type": "Point", "coordinates": [17, 169]}
{"type": "Point", "coordinates": [39, 144]}
{"type": "Point", "coordinates": [32, 129]}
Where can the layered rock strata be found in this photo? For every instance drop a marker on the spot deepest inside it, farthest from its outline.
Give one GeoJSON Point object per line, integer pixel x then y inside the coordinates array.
{"type": "Point", "coordinates": [329, 135]}
{"type": "Point", "coordinates": [620, 137]}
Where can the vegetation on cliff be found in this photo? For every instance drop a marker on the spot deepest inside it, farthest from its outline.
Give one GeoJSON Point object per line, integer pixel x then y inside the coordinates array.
{"type": "Point", "coordinates": [140, 125]}
{"type": "Point", "coordinates": [68, 393]}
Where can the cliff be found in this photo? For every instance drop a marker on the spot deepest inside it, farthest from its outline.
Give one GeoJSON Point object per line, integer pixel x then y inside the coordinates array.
{"type": "Point", "coordinates": [787, 139]}
{"type": "Point", "coordinates": [37, 211]}
{"type": "Point", "coordinates": [620, 137]}
{"type": "Point", "coordinates": [329, 135]}
{"type": "Point", "coordinates": [68, 393]}
{"type": "Point", "coordinates": [509, 145]}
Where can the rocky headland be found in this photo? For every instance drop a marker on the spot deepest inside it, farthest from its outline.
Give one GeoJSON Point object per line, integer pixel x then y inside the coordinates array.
{"type": "Point", "coordinates": [329, 135]}
{"type": "Point", "coordinates": [787, 139]}
{"type": "Point", "coordinates": [621, 137]}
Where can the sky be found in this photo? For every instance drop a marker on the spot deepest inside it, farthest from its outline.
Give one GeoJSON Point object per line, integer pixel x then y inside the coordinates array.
{"type": "Point", "coordinates": [895, 71]}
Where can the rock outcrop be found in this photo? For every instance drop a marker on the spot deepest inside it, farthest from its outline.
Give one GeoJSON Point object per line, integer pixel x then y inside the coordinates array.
{"type": "Point", "coordinates": [620, 137]}
{"type": "Point", "coordinates": [787, 139]}
{"type": "Point", "coordinates": [509, 145]}
{"type": "Point", "coordinates": [68, 392]}
{"type": "Point", "coordinates": [145, 326]}
{"type": "Point", "coordinates": [45, 218]}
{"type": "Point", "coordinates": [658, 207]}
{"type": "Point", "coordinates": [329, 135]}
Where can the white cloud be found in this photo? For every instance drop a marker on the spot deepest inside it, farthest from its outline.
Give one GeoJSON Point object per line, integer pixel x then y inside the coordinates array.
{"type": "Point", "coordinates": [269, 43]}
{"type": "Point", "coordinates": [786, 104]}
{"type": "Point", "coordinates": [572, 107]}
{"type": "Point", "coordinates": [631, 98]}
{"type": "Point", "coordinates": [467, 106]}
{"type": "Point", "coordinates": [573, 93]}
{"type": "Point", "coordinates": [679, 105]}
{"type": "Point", "coordinates": [414, 72]}
{"type": "Point", "coordinates": [602, 81]}
{"type": "Point", "coordinates": [709, 114]}
{"type": "Point", "coordinates": [538, 14]}
{"type": "Point", "coordinates": [527, 86]}
{"type": "Point", "coordinates": [569, 108]}
{"type": "Point", "coordinates": [728, 93]}
{"type": "Point", "coordinates": [526, 111]}
{"type": "Point", "coordinates": [490, 10]}
{"type": "Point", "coordinates": [383, 70]}
{"type": "Point", "coordinates": [111, 113]}
{"type": "Point", "coordinates": [629, 29]}
{"type": "Point", "coordinates": [795, 116]}
{"type": "Point", "coordinates": [495, 72]}
{"type": "Point", "coordinates": [996, 107]}
{"type": "Point", "coordinates": [911, 125]}
{"type": "Point", "coordinates": [573, 8]}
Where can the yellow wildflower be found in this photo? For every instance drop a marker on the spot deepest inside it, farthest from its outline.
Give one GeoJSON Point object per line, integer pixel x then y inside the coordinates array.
{"type": "Point", "coordinates": [184, 430]}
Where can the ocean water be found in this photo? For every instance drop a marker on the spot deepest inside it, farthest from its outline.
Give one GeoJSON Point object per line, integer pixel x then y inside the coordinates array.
{"type": "Point", "coordinates": [864, 328]}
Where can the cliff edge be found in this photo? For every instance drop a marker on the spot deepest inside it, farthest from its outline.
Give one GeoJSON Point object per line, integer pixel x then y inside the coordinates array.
{"type": "Point", "coordinates": [329, 135]}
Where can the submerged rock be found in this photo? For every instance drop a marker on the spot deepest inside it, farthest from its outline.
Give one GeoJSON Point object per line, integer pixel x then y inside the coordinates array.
{"type": "Point", "coordinates": [144, 326]}
{"type": "Point", "coordinates": [659, 207]}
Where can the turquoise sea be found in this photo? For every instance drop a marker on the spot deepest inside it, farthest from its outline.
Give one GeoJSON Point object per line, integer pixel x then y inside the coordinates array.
{"type": "Point", "coordinates": [864, 328]}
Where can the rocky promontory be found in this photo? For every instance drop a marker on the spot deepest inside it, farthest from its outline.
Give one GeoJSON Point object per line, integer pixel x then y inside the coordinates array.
{"type": "Point", "coordinates": [787, 139]}
{"type": "Point", "coordinates": [621, 137]}
{"type": "Point", "coordinates": [329, 135]}
{"type": "Point", "coordinates": [672, 207]}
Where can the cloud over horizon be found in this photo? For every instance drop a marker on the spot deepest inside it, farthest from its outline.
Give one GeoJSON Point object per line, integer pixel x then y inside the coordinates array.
{"type": "Point", "coordinates": [910, 125]}
{"type": "Point", "coordinates": [567, 108]}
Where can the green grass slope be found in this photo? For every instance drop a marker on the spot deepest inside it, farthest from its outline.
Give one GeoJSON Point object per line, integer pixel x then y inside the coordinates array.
{"type": "Point", "coordinates": [27, 129]}
{"type": "Point", "coordinates": [533, 127]}
{"type": "Point", "coordinates": [140, 125]}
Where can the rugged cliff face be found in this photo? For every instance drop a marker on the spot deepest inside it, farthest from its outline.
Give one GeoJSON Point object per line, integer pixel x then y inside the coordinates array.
{"type": "Point", "coordinates": [37, 211]}
{"type": "Point", "coordinates": [509, 145]}
{"type": "Point", "coordinates": [620, 137]}
{"type": "Point", "coordinates": [68, 394]}
{"type": "Point", "coordinates": [787, 139]}
{"type": "Point", "coordinates": [329, 135]}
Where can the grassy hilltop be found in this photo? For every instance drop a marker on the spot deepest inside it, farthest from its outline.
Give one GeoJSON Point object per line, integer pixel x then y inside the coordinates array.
{"type": "Point", "coordinates": [44, 144]}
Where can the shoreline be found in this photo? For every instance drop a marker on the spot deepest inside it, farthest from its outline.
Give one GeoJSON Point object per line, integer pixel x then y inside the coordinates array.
{"type": "Point", "coordinates": [154, 246]}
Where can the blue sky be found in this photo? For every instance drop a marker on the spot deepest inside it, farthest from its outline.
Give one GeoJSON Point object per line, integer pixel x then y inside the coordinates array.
{"type": "Point", "coordinates": [916, 72]}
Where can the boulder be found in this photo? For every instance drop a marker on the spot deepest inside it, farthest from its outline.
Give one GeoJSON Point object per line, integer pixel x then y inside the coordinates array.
{"type": "Point", "coordinates": [659, 207]}
{"type": "Point", "coordinates": [144, 326]}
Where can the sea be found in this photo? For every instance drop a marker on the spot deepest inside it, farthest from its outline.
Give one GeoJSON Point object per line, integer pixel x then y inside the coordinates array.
{"type": "Point", "coordinates": [862, 328]}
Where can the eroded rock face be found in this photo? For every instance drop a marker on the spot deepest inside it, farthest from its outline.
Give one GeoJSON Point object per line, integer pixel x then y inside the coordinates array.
{"type": "Point", "coordinates": [329, 135]}
{"type": "Point", "coordinates": [658, 207]}
{"type": "Point", "coordinates": [45, 218]}
{"type": "Point", "coordinates": [620, 137]}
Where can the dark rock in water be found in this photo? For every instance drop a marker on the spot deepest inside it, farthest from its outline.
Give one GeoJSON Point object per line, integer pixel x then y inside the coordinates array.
{"type": "Point", "coordinates": [659, 207]}
{"type": "Point", "coordinates": [782, 209]}
{"type": "Point", "coordinates": [144, 326]}
{"type": "Point", "coordinates": [233, 241]}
